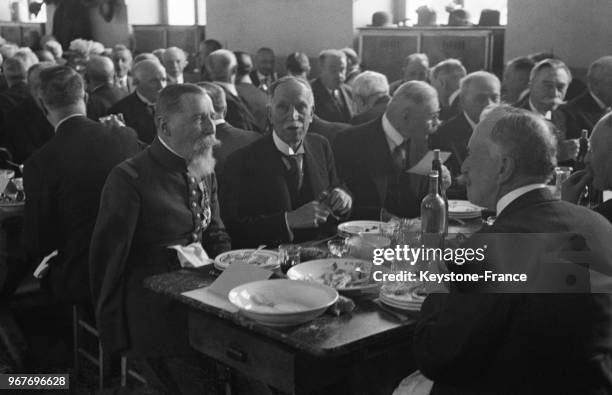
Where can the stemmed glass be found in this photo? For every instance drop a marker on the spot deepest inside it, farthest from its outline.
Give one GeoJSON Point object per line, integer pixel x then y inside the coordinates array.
{"type": "Point", "coordinates": [338, 247]}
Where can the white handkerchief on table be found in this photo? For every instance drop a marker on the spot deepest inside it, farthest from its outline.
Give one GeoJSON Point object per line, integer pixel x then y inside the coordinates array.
{"type": "Point", "coordinates": [192, 255]}
{"type": "Point", "coordinates": [424, 166]}
{"type": "Point", "coordinates": [236, 274]}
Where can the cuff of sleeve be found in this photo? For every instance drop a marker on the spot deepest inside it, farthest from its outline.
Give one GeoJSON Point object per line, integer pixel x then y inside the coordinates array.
{"type": "Point", "coordinates": [289, 231]}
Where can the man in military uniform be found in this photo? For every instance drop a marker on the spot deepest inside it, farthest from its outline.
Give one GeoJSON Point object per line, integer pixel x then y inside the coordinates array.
{"type": "Point", "coordinates": [165, 196]}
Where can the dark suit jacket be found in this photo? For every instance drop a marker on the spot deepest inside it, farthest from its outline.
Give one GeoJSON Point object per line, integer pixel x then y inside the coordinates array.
{"type": "Point", "coordinates": [137, 116]}
{"type": "Point", "coordinates": [63, 181]}
{"type": "Point", "coordinates": [101, 99]}
{"type": "Point", "coordinates": [255, 78]}
{"type": "Point", "coordinates": [14, 95]}
{"type": "Point", "coordinates": [256, 101]}
{"type": "Point", "coordinates": [329, 130]}
{"type": "Point", "coordinates": [365, 164]}
{"type": "Point", "coordinates": [374, 112]}
{"type": "Point", "coordinates": [25, 130]}
{"type": "Point", "coordinates": [129, 88]}
{"type": "Point", "coordinates": [582, 112]}
{"type": "Point", "coordinates": [448, 112]}
{"type": "Point", "coordinates": [470, 343]}
{"type": "Point", "coordinates": [148, 203]}
{"type": "Point", "coordinates": [255, 195]}
{"type": "Point", "coordinates": [453, 136]}
{"type": "Point", "coordinates": [231, 139]}
{"type": "Point", "coordinates": [238, 113]}
{"type": "Point", "coordinates": [327, 108]}
{"type": "Point", "coordinates": [605, 209]}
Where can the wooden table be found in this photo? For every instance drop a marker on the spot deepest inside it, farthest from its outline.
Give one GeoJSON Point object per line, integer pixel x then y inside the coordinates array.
{"type": "Point", "coordinates": [364, 352]}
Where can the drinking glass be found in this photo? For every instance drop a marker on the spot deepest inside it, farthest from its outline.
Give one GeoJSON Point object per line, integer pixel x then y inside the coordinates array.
{"type": "Point", "coordinates": [338, 247]}
{"type": "Point", "coordinates": [289, 255]}
{"type": "Point", "coordinates": [562, 173]}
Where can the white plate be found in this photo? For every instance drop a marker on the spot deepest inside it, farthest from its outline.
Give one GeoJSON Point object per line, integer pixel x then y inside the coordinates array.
{"type": "Point", "coordinates": [463, 209]}
{"type": "Point", "coordinates": [387, 292]}
{"type": "Point", "coordinates": [263, 258]}
{"type": "Point", "coordinates": [314, 271]}
{"type": "Point", "coordinates": [357, 227]}
{"type": "Point", "coordinates": [282, 302]}
{"type": "Point", "coordinates": [406, 307]}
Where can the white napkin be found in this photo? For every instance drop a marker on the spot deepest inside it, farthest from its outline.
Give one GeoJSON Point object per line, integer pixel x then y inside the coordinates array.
{"type": "Point", "coordinates": [42, 267]}
{"type": "Point", "coordinates": [192, 255]}
{"type": "Point", "coordinates": [423, 167]}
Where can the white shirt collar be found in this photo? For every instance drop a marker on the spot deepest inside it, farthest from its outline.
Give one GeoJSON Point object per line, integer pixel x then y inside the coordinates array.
{"type": "Point", "coordinates": [284, 147]}
{"type": "Point", "coordinates": [168, 147]}
{"type": "Point", "coordinates": [548, 114]}
{"type": "Point", "coordinates": [180, 79]}
{"type": "Point", "coordinates": [394, 138]}
{"type": "Point", "coordinates": [61, 121]}
{"type": "Point", "coordinates": [469, 120]}
{"type": "Point", "coordinates": [230, 87]}
{"type": "Point", "coordinates": [453, 96]}
{"type": "Point", "coordinates": [600, 103]}
{"type": "Point", "coordinates": [515, 194]}
{"type": "Point", "coordinates": [144, 99]}
{"type": "Point", "coordinates": [218, 121]}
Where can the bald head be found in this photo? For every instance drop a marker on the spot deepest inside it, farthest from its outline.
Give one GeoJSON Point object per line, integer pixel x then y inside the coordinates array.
{"type": "Point", "coordinates": [414, 109]}
{"type": "Point", "coordinates": [221, 65]}
{"type": "Point", "coordinates": [100, 70]}
{"type": "Point", "coordinates": [332, 63]}
{"type": "Point", "coordinates": [174, 60]}
{"type": "Point", "coordinates": [479, 90]}
{"type": "Point", "coordinates": [149, 78]}
{"type": "Point", "coordinates": [599, 79]}
{"type": "Point", "coordinates": [599, 158]}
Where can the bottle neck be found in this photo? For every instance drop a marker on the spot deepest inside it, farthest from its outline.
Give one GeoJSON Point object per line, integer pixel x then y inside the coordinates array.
{"type": "Point", "coordinates": [433, 185]}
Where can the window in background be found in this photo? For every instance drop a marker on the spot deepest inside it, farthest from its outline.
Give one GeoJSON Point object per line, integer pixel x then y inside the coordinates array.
{"type": "Point", "coordinates": [201, 4]}
{"type": "Point", "coordinates": [181, 12]}
{"type": "Point", "coordinates": [473, 7]}
{"type": "Point", "coordinates": [143, 12]}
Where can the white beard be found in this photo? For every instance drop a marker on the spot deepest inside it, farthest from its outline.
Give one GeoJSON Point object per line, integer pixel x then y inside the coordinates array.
{"type": "Point", "coordinates": [202, 162]}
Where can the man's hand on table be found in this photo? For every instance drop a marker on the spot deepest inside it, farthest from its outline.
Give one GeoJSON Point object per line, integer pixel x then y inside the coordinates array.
{"type": "Point", "coordinates": [309, 215]}
{"type": "Point", "coordinates": [339, 201]}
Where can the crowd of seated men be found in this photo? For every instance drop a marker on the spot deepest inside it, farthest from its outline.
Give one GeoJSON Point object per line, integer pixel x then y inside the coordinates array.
{"type": "Point", "coordinates": [125, 156]}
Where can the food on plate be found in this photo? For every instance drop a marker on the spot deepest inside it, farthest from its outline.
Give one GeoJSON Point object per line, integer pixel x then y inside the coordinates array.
{"type": "Point", "coordinates": [250, 257]}
{"type": "Point", "coordinates": [344, 277]}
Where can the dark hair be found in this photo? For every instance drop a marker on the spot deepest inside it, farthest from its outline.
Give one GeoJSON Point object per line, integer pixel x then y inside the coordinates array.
{"type": "Point", "coordinates": [61, 86]}
{"type": "Point", "coordinates": [169, 100]}
{"type": "Point", "coordinates": [213, 44]}
{"type": "Point", "coordinates": [297, 63]}
{"type": "Point", "coordinates": [241, 66]}
{"type": "Point", "coordinates": [522, 63]}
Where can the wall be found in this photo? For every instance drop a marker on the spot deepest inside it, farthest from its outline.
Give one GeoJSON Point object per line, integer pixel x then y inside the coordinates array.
{"type": "Point", "coordinates": [286, 25]}
{"type": "Point", "coordinates": [576, 31]}
{"type": "Point", "coordinates": [5, 11]}
{"type": "Point", "coordinates": [363, 10]}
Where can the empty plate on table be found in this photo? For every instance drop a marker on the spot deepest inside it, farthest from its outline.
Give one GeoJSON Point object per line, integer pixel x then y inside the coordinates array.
{"type": "Point", "coordinates": [282, 302]}
{"type": "Point", "coordinates": [351, 277]}
{"type": "Point", "coordinates": [262, 258]}
{"type": "Point", "coordinates": [357, 227]}
{"type": "Point", "coordinates": [463, 209]}
{"type": "Point", "coordinates": [402, 296]}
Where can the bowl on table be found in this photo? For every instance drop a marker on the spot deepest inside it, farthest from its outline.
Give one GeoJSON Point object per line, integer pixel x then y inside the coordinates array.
{"type": "Point", "coordinates": [363, 245]}
{"type": "Point", "coordinates": [282, 302]}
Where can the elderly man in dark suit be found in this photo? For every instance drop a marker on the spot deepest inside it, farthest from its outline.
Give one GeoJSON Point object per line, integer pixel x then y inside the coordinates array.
{"type": "Point", "coordinates": [231, 138]}
{"type": "Point", "coordinates": [165, 196]}
{"type": "Point", "coordinates": [283, 187]}
{"type": "Point", "coordinates": [63, 181]}
{"type": "Point", "coordinates": [415, 68]}
{"type": "Point", "coordinates": [333, 98]}
{"type": "Point", "coordinates": [373, 158]}
{"type": "Point", "coordinates": [371, 94]}
{"type": "Point", "coordinates": [585, 110]}
{"type": "Point", "coordinates": [598, 172]}
{"type": "Point", "coordinates": [548, 83]}
{"type": "Point", "coordinates": [445, 77]}
{"type": "Point", "coordinates": [138, 108]}
{"type": "Point", "coordinates": [174, 60]}
{"type": "Point", "coordinates": [26, 128]}
{"type": "Point", "coordinates": [103, 94]}
{"type": "Point", "coordinates": [15, 72]}
{"type": "Point", "coordinates": [122, 59]}
{"type": "Point", "coordinates": [222, 67]}
{"type": "Point", "coordinates": [477, 91]}
{"type": "Point", "coordinates": [501, 343]}
{"type": "Point", "coordinates": [264, 75]}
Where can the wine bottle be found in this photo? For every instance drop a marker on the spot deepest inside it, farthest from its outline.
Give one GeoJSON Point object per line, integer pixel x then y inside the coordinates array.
{"type": "Point", "coordinates": [433, 210]}
{"type": "Point", "coordinates": [436, 165]}
{"type": "Point", "coordinates": [583, 150]}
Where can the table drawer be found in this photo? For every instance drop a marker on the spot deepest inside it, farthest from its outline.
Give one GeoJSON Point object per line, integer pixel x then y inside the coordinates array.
{"type": "Point", "coordinates": [236, 347]}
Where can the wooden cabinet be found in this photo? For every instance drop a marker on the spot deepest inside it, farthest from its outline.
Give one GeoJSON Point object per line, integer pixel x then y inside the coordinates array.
{"type": "Point", "coordinates": [384, 49]}
{"type": "Point", "coordinates": [18, 33]}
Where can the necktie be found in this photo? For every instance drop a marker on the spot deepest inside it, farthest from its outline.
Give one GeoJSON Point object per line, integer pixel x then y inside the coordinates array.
{"type": "Point", "coordinates": [400, 155]}
{"type": "Point", "coordinates": [151, 108]}
{"type": "Point", "coordinates": [296, 176]}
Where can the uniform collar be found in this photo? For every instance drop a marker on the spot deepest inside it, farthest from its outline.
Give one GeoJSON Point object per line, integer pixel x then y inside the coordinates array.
{"type": "Point", "coordinates": [166, 156]}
